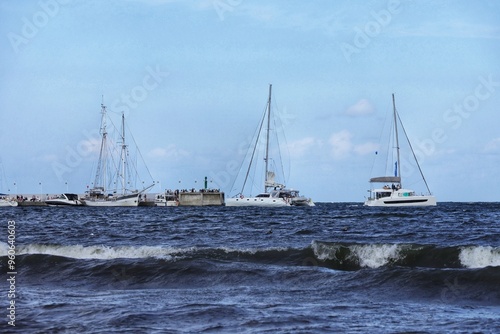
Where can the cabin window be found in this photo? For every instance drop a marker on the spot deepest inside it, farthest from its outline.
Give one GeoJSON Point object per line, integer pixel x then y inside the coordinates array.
{"type": "Point", "coordinates": [383, 194]}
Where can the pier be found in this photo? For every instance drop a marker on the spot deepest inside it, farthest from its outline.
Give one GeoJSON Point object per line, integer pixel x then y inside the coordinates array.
{"type": "Point", "coordinates": [201, 198]}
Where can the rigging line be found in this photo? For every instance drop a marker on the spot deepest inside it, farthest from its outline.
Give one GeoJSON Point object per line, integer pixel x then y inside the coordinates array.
{"type": "Point", "coordinates": [376, 155]}
{"type": "Point", "coordinates": [140, 155]}
{"type": "Point", "coordinates": [390, 147]}
{"type": "Point", "coordinates": [279, 149]}
{"type": "Point", "coordinates": [239, 171]}
{"type": "Point", "coordinates": [111, 154]}
{"type": "Point", "coordinates": [253, 152]}
{"type": "Point", "coordinates": [99, 181]}
{"type": "Point", "coordinates": [394, 148]}
{"type": "Point", "coordinates": [414, 156]}
{"type": "Point", "coordinates": [380, 149]}
{"type": "Point", "coordinates": [277, 117]}
{"type": "Point", "coordinates": [256, 186]}
{"type": "Point", "coordinates": [245, 158]}
{"type": "Point", "coordinates": [99, 171]}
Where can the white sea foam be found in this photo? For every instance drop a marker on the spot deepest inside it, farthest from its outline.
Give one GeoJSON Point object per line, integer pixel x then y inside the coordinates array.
{"type": "Point", "coordinates": [4, 248]}
{"type": "Point", "coordinates": [371, 256]}
{"type": "Point", "coordinates": [252, 251]}
{"type": "Point", "coordinates": [480, 256]}
{"type": "Point", "coordinates": [375, 256]}
{"type": "Point", "coordinates": [99, 252]}
{"type": "Point", "coordinates": [325, 251]}
{"type": "Point", "coordinates": [103, 252]}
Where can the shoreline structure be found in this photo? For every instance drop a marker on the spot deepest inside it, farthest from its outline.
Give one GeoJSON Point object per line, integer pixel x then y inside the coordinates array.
{"type": "Point", "coordinates": [185, 197]}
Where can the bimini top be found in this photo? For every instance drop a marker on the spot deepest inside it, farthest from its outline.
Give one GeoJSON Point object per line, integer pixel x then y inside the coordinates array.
{"type": "Point", "coordinates": [386, 179]}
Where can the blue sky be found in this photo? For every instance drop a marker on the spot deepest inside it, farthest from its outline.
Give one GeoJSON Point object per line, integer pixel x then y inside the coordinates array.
{"type": "Point", "coordinates": [192, 78]}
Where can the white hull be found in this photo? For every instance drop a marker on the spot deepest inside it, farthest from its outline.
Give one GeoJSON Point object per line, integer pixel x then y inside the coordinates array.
{"type": "Point", "coordinates": [166, 203]}
{"type": "Point", "coordinates": [398, 201]}
{"type": "Point", "coordinates": [6, 203]}
{"type": "Point", "coordinates": [166, 200]}
{"type": "Point", "coordinates": [64, 200]}
{"type": "Point", "coordinates": [129, 200]}
{"type": "Point", "coordinates": [257, 201]}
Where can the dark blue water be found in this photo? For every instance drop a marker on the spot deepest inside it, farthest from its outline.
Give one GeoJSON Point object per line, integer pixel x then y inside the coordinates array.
{"type": "Point", "coordinates": [330, 268]}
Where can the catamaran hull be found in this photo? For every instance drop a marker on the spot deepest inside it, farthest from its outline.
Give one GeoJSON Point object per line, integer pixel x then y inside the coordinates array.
{"type": "Point", "coordinates": [130, 200]}
{"type": "Point", "coordinates": [398, 201]}
{"type": "Point", "coordinates": [257, 201]}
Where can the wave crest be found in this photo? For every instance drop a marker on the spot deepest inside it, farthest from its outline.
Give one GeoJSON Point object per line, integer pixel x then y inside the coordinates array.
{"type": "Point", "coordinates": [352, 256]}
{"type": "Point", "coordinates": [100, 252]}
{"type": "Point", "coordinates": [480, 257]}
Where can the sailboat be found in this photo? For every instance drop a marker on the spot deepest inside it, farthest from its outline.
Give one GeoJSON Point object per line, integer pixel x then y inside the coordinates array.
{"type": "Point", "coordinates": [396, 195]}
{"type": "Point", "coordinates": [101, 194]}
{"type": "Point", "coordinates": [275, 194]}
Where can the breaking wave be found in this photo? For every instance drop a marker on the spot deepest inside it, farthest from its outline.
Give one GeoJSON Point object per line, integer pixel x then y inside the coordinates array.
{"type": "Point", "coordinates": [340, 256]}
{"type": "Point", "coordinates": [352, 256]}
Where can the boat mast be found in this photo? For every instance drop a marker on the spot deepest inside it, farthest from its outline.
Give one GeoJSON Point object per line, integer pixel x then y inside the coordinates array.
{"type": "Point", "coordinates": [100, 177]}
{"type": "Point", "coordinates": [123, 155]}
{"type": "Point", "coordinates": [267, 136]}
{"type": "Point", "coordinates": [397, 140]}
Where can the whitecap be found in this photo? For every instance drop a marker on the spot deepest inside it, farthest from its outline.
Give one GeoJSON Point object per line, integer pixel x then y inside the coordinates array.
{"type": "Point", "coordinates": [479, 256]}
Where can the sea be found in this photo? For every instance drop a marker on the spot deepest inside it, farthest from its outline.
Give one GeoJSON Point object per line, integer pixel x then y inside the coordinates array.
{"type": "Point", "coordinates": [332, 268]}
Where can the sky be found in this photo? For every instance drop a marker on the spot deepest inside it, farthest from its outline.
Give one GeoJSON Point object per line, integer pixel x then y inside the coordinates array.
{"type": "Point", "coordinates": [192, 79]}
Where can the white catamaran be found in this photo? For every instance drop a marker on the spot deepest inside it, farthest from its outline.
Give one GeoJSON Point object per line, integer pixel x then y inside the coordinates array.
{"type": "Point", "coordinates": [392, 194]}
{"type": "Point", "coordinates": [102, 193]}
{"type": "Point", "coordinates": [275, 194]}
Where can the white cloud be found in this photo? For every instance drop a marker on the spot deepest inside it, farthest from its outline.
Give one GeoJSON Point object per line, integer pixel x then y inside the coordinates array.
{"type": "Point", "coordinates": [366, 148]}
{"type": "Point", "coordinates": [341, 144]}
{"type": "Point", "coordinates": [361, 108]}
{"type": "Point", "coordinates": [169, 152]}
{"type": "Point", "coordinates": [300, 147]}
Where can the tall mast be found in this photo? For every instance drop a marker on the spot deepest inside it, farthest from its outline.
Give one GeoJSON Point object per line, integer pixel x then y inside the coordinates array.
{"type": "Point", "coordinates": [397, 139]}
{"type": "Point", "coordinates": [100, 177]}
{"type": "Point", "coordinates": [123, 154]}
{"type": "Point", "coordinates": [267, 136]}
